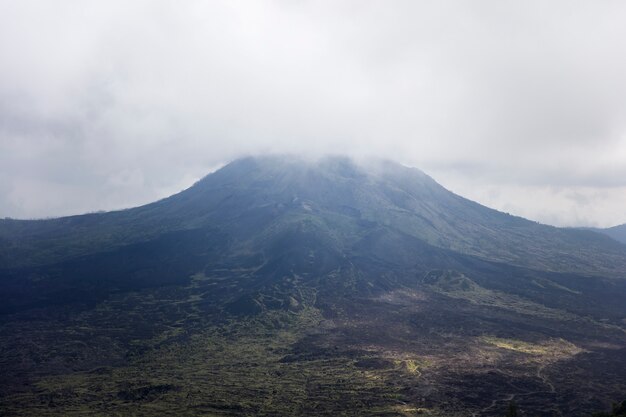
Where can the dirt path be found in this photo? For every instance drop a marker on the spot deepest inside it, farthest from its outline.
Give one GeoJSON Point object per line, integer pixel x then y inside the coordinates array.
{"type": "Point", "coordinates": [545, 379]}
{"type": "Point", "coordinates": [510, 397]}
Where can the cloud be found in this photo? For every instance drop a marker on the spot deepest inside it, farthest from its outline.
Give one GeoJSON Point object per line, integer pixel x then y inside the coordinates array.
{"type": "Point", "coordinates": [110, 104]}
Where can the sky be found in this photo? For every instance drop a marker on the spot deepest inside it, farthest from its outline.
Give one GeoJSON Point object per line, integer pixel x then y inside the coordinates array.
{"type": "Point", "coordinates": [519, 105]}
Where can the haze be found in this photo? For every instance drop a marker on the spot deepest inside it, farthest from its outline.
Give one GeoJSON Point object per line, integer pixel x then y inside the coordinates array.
{"type": "Point", "coordinates": [518, 105]}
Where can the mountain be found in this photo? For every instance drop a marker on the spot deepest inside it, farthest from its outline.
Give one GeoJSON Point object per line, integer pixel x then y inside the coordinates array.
{"type": "Point", "coordinates": [616, 232]}
{"type": "Point", "coordinates": [282, 286]}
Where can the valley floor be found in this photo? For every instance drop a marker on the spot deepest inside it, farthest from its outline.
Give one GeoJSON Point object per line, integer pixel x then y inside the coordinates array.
{"type": "Point", "coordinates": [171, 351]}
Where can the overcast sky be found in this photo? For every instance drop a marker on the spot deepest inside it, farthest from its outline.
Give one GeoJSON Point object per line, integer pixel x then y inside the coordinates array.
{"type": "Point", "coordinates": [520, 105]}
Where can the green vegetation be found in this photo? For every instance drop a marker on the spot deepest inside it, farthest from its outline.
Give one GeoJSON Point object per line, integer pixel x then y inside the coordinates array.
{"type": "Point", "coordinates": [559, 348]}
{"type": "Point", "coordinates": [239, 366]}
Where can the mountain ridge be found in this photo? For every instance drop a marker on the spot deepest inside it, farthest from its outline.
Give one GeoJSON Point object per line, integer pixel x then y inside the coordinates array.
{"type": "Point", "coordinates": [405, 192]}
{"type": "Point", "coordinates": [616, 232]}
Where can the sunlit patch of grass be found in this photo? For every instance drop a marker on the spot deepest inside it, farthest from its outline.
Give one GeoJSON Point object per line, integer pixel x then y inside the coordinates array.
{"type": "Point", "coordinates": [550, 347]}
{"type": "Point", "coordinates": [517, 345]}
{"type": "Point", "coordinates": [412, 366]}
{"type": "Point", "coordinates": [411, 411]}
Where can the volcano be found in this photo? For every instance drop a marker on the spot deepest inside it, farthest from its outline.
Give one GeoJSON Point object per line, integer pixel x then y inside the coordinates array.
{"type": "Point", "coordinates": [284, 286]}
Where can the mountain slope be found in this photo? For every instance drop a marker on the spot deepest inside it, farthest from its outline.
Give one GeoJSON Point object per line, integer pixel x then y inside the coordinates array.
{"type": "Point", "coordinates": [381, 192]}
{"type": "Point", "coordinates": [278, 286]}
{"type": "Point", "coordinates": [616, 232]}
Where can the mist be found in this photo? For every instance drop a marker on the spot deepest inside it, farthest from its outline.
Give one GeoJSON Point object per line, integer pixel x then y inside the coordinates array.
{"type": "Point", "coordinates": [519, 106]}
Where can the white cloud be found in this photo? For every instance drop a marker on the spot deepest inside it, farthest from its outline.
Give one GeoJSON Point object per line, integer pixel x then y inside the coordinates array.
{"type": "Point", "coordinates": [116, 103]}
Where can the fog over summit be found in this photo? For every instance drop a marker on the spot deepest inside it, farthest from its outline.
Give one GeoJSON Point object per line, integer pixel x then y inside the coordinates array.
{"type": "Point", "coordinates": [517, 106]}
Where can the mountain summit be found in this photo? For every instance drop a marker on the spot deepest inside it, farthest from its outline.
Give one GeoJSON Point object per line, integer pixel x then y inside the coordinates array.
{"type": "Point", "coordinates": [308, 282]}
{"type": "Point", "coordinates": [266, 190]}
